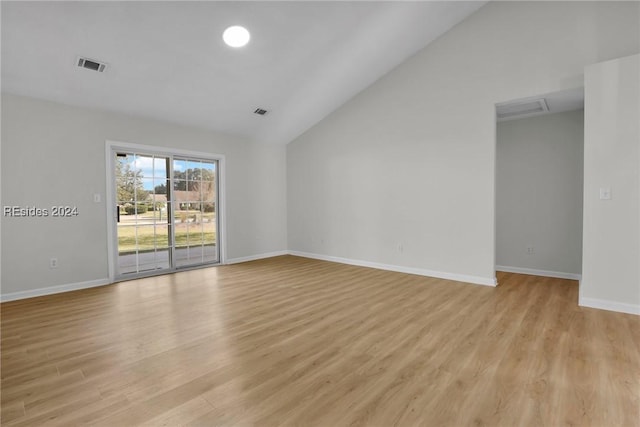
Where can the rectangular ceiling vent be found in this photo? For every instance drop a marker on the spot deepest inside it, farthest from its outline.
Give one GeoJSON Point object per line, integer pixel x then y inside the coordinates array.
{"type": "Point", "coordinates": [90, 64]}
{"type": "Point", "coordinates": [511, 110]}
{"type": "Point", "coordinates": [260, 111]}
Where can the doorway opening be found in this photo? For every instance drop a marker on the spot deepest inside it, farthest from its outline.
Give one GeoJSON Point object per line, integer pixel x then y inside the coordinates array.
{"type": "Point", "coordinates": [539, 185]}
{"type": "Point", "coordinates": [165, 210]}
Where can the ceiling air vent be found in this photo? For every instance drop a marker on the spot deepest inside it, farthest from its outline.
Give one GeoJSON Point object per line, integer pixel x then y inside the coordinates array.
{"type": "Point", "coordinates": [260, 111]}
{"type": "Point", "coordinates": [90, 64]}
{"type": "Point", "coordinates": [512, 110]}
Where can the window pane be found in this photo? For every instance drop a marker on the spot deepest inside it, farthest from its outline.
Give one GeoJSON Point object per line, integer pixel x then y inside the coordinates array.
{"type": "Point", "coordinates": [144, 166]}
{"type": "Point", "coordinates": [126, 238]}
{"type": "Point", "coordinates": [193, 187]}
{"type": "Point", "coordinates": [209, 232]}
{"type": "Point", "coordinates": [145, 238]}
{"type": "Point", "coordinates": [208, 189]}
{"type": "Point", "coordinates": [179, 169]}
{"type": "Point", "coordinates": [162, 237]}
{"type": "Point", "coordinates": [162, 258]}
{"type": "Point", "coordinates": [146, 186]}
{"type": "Point", "coordinates": [208, 171]}
{"type": "Point", "coordinates": [181, 231]}
{"type": "Point", "coordinates": [195, 254]}
{"type": "Point", "coordinates": [210, 253]}
{"type": "Point", "coordinates": [141, 211]}
{"type": "Point", "coordinates": [125, 178]}
{"type": "Point", "coordinates": [127, 263]}
{"type": "Point", "coordinates": [160, 167]}
{"type": "Point", "coordinates": [182, 257]}
{"type": "Point", "coordinates": [193, 170]}
{"type": "Point", "coordinates": [179, 185]}
{"type": "Point", "coordinates": [195, 236]}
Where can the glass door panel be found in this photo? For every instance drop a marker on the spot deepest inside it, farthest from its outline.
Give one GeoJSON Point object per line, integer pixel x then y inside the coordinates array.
{"type": "Point", "coordinates": [142, 218]}
{"type": "Point", "coordinates": [195, 194]}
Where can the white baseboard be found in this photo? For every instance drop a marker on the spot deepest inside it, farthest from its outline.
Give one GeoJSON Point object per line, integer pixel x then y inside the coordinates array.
{"type": "Point", "coordinates": [255, 257]}
{"type": "Point", "coordinates": [601, 304]}
{"type": "Point", "coordinates": [400, 269]}
{"type": "Point", "coordinates": [410, 270]}
{"type": "Point", "coordinates": [534, 272]}
{"type": "Point", "coordinates": [13, 296]}
{"type": "Point", "coordinates": [53, 290]}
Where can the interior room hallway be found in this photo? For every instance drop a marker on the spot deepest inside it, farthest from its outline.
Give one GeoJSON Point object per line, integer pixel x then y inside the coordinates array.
{"type": "Point", "coordinates": [294, 341]}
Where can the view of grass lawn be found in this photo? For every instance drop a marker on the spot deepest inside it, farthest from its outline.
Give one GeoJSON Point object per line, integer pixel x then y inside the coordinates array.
{"type": "Point", "coordinates": [148, 240]}
{"type": "Point", "coordinates": [179, 215]}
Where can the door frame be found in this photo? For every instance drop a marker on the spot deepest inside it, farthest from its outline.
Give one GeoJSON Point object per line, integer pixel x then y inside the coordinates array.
{"type": "Point", "coordinates": [112, 147]}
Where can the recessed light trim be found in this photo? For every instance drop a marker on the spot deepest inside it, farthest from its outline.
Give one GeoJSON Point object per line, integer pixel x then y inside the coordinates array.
{"type": "Point", "coordinates": [236, 36]}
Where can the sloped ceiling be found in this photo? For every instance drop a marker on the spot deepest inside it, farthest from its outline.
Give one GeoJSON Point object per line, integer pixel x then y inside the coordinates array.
{"type": "Point", "coordinates": [167, 60]}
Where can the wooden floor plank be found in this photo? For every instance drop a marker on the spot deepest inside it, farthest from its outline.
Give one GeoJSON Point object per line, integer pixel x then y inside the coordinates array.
{"type": "Point", "coordinates": [294, 341]}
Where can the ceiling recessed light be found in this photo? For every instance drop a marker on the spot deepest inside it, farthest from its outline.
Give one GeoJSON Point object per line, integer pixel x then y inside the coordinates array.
{"type": "Point", "coordinates": [236, 36]}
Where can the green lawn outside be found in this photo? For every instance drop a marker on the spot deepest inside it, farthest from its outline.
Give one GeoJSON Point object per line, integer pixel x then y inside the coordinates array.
{"type": "Point", "coordinates": [179, 215]}
{"type": "Point", "coordinates": [146, 240]}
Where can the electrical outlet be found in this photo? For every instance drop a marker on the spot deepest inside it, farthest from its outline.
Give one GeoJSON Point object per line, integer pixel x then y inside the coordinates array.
{"type": "Point", "coordinates": [530, 250]}
{"type": "Point", "coordinates": [400, 247]}
{"type": "Point", "coordinates": [53, 263]}
{"type": "Point", "coordinates": [97, 198]}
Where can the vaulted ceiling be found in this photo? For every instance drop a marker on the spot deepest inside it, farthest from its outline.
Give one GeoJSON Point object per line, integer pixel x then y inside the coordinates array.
{"type": "Point", "coordinates": [167, 60]}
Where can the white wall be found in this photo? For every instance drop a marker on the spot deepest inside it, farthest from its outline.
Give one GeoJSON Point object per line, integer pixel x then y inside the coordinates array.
{"type": "Point", "coordinates": [411, 159]}
{"type": "Point", "coordinates": [54, 154]}
{"type": "Point", "coordinates": [611, 257]}
{"type": "Point", "coordinates": [539, 194]}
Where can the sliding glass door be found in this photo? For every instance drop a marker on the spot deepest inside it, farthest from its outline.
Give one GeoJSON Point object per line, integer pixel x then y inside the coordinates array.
{"type": "Point", "coordinates": [166, 212]}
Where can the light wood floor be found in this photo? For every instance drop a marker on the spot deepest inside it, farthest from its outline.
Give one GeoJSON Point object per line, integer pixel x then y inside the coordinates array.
{"type": "Point", "coordinates": [293, 341]}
